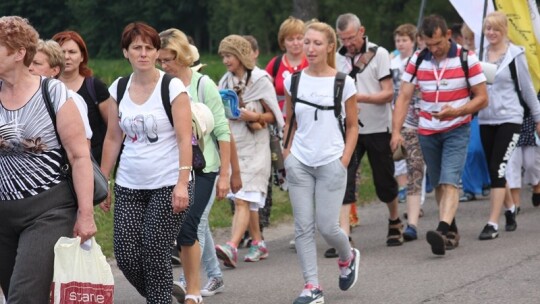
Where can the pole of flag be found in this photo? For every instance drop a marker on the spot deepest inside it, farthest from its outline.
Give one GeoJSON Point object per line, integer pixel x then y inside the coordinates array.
{"type": "Point", "coordinates": [481, 51]}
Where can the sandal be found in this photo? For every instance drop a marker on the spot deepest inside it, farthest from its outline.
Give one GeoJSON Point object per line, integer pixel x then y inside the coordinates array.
{"type": "Point", "coordinates": [395, 235]}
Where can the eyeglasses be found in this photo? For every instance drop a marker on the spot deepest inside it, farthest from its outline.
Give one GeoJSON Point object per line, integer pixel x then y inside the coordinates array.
{"type": "Point", "coordinates": [165, 61]}
{"type": "Point", "coordinates": [349, 39]}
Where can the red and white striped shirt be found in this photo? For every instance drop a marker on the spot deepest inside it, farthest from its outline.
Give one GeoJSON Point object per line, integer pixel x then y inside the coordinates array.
{"type": "Point", "coordinates": [443, 84]}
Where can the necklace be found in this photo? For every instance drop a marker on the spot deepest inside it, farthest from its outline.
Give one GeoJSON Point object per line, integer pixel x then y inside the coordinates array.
{"type": "Point", "coordinates": [288, 64]}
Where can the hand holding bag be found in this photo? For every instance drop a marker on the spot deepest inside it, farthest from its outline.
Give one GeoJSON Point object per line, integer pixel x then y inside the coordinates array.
{"type": "Point", "coordinates": [81, 275]}
{"type": "Point", "coordinates": [101, 184]}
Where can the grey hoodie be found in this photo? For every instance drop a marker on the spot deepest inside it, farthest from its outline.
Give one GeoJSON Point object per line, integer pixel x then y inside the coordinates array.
{"type": "Point", "coordinates": [504, 106]}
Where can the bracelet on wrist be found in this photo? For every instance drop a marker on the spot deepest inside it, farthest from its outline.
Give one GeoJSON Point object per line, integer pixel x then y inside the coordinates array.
{"type": "Point", "coordinates": [185, 168]}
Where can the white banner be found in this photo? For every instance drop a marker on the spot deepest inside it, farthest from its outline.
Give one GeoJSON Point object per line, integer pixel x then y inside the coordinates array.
{"type": "Point", "coordinates": [471, 13]}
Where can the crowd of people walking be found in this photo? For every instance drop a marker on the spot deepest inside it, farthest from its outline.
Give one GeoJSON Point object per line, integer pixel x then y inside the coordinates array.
{"type": "Point", "coordinates": [431, 101]}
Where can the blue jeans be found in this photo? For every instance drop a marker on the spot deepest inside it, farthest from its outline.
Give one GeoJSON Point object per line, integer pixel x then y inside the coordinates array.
{"type": "Point", "coordinates": [445, 154]}
{"type": "Point", "coordinates": [209, 258]}
{"type": "Point", "coordinates": [316, 195]}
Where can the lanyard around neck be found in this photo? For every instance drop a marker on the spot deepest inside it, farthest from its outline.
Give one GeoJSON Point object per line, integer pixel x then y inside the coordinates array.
{"type": "Point", "coordinates": [438, 78]}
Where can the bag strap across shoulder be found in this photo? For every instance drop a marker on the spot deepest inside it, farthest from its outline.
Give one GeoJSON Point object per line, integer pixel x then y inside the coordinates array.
{"type": "Point", "coordinates": [514, 75]}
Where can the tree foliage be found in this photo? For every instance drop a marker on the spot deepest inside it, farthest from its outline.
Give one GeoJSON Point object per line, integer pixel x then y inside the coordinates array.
{"type": "Point", "coordinates": [101, 22]}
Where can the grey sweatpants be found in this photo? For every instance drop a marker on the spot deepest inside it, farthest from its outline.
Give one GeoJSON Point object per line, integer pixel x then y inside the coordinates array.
{"type": "Point", "coordinates": [316, 195]}
{"type": "Point", "coordinates": [29, 228]}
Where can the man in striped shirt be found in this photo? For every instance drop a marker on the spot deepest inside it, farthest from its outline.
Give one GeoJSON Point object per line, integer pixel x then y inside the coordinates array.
{"type": "Point", "coordinates": [445, 112]}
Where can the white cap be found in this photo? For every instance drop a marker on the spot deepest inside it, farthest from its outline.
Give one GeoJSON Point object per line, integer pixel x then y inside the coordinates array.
{"type": "Point", "coordinates": [197, 65]}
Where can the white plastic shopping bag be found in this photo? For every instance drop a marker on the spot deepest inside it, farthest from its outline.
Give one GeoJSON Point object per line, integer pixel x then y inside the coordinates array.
{"type": "Point", "coordinates": [81, 273]}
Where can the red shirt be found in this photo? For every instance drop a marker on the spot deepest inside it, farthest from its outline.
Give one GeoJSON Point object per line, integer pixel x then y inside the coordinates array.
{"type": "Point", "coordinates": [282, 72]}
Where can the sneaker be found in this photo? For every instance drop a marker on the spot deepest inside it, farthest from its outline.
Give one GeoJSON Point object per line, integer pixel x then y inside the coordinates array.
{"type": "Point", "coordinates": [511, 223]}
{"type": "Point", "coordinates": [402, 195]}
{"type": "Point", "coordinates": [467, 197]}
{"type": "Point", "coordinates": [349, 270]}
{"type": "Point", "coordinates": [331, 253]}
{"type": "Point", "coordinates": [213, 286]}
{"type": "Point", "coordinates": [437, 241]}
{"type": "Point", "coordinates": [395, 234]}
{"type": "Point", "coordinates": [410, 233]}
{"type": "Point", "coordinates": [292, 244]}
{"type": "Point", "coordinates": [488, 233]}
{"type": "Point", "coordinates": [227, 254]}
{"type": "Point", "coordinates": [452, 240]}
{"type": "Point", "coordinates": [256, 253]}
{"type": "Point", "coordinates": [179, 290]}
{"type": "Point", "coordinates": [310, 295]}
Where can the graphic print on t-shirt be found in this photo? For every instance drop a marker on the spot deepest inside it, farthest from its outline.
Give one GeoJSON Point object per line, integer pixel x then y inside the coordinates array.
{"type": "Point", "coordinates": [141, 128]}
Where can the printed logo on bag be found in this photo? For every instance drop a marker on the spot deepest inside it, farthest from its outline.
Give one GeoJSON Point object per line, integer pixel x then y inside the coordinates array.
{"type": "Point", "coordinates": [77, 292]}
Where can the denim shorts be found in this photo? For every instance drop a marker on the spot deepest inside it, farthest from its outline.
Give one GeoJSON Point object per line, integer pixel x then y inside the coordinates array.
{"type": "Point", "coordinates": [445, 154]}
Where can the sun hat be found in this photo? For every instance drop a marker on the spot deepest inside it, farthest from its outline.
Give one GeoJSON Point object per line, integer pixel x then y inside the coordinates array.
{"type": "Point", "coordinates": [202, 121]}
{"type": "Point", "coordinates": [239, 47]}
{"type": "Point", "coordinates": [196, 65]}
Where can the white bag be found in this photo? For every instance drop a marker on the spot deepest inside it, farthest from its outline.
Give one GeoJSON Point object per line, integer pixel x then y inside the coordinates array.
{"type": "Point", "coordinates": [81, 273]}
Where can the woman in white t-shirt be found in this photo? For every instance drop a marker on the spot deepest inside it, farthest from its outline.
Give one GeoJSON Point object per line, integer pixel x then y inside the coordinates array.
{"type": "Point", "coordinates": [153, 186]}
{"type": "Point", "coordinates": [316, 159]}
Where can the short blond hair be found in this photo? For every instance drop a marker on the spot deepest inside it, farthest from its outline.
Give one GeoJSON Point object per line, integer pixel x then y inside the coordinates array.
{"type": "Point", "coordinates": [177, 42]}
{"type": "Point", "coordinates": [54, 53]}
{"type": "Point", "coordinates": [497, 20]}
{"type": "Point", "coordinates": [291, 26]}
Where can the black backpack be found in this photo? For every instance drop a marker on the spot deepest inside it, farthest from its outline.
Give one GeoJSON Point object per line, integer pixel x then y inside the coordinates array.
{"type": "Point", "coordinates": [339, 84]}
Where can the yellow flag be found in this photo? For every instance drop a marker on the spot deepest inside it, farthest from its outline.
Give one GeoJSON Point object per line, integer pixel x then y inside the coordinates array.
{"type": "Point", "coordinates": [521, 32]}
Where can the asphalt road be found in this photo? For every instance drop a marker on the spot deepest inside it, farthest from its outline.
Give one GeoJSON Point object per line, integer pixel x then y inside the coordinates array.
{"type": "Point", "coordinates": [504, 270]}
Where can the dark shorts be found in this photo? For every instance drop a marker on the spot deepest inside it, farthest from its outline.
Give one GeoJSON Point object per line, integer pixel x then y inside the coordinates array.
{"type": "Point", "coordinates": [377, 147]}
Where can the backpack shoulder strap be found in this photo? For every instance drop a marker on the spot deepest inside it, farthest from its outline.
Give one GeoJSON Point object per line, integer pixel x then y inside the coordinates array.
{"type": "Point", "coordinates": [465, 65]}
{"type": "Point", "coordinates": [90, 87]}
{"type": "Point", "coordinates": [200, 88]}
{"type": "Point", "coordinates": [275, 67]}
{"type": "Point", "coordinates": [121, 88]}
{"type": "Point", "coordinates": [295, 79]}
{"type": "Point", "coordinates": [339, 84]}
{"type": "Point", "coordinates": [165, 96]}
{"type": "Point", "coordinates": [419, 59]}
{"type": "Point", "coordinates": [514, 75]}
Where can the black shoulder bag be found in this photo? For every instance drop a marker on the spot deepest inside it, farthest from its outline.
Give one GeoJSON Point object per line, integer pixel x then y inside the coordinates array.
{"type": "Point", "coordinates": [101, 185]}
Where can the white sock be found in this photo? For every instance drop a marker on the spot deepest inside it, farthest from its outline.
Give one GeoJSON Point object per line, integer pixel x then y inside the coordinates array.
{"type": "Point", "coordinates": [495, 225]}
{"type": "Point", "coordinates": [512, 209]}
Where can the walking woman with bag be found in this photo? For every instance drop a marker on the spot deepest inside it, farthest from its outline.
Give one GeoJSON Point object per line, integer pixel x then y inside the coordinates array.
{"type": "Point", "coordinates": [500, 122]}
{"type": "Point", "coordinates": [153, 187]}
{"type": "Point", "coordinates": [195, 237]}
{"type": "Point", "coordinates": [37, 205]}
{"type": "Point", "coordinates": [317, 166]}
